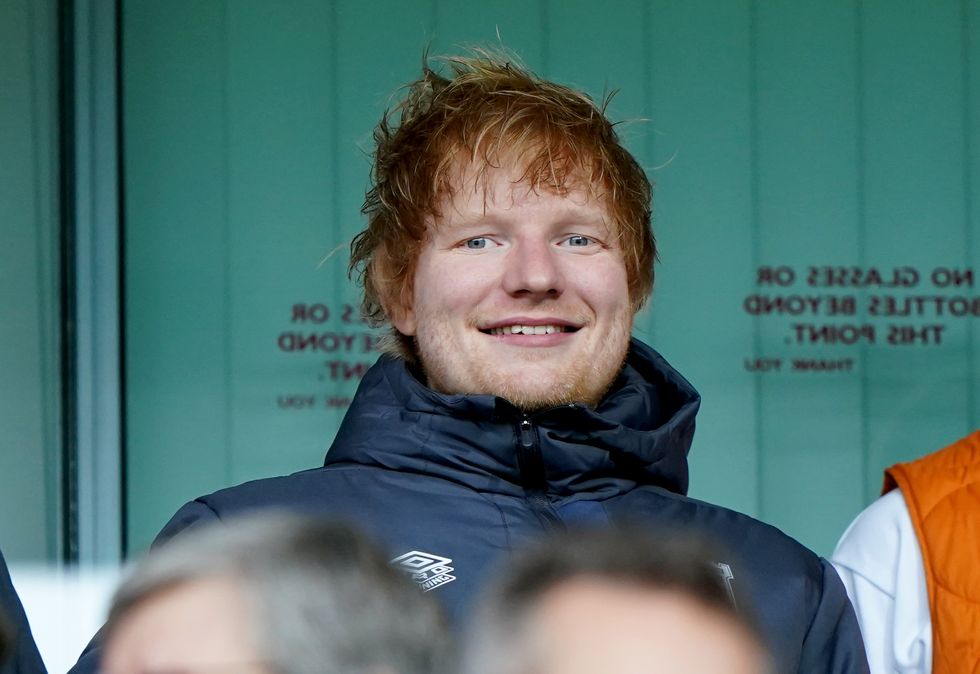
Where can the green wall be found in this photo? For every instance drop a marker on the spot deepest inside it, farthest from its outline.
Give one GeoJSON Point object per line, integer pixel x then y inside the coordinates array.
{"type": "Point", "coordinates": [780, 134]}
{"type": "Point", "coordinates": [29, 309]}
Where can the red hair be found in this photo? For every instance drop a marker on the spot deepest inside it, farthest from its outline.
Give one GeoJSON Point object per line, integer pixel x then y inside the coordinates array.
{"type": "Point", "coordinates": [487, 113]}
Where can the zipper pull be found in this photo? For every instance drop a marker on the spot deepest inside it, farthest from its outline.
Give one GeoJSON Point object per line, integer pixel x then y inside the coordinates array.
{"type": "Point", "coordinates": [527, 433]}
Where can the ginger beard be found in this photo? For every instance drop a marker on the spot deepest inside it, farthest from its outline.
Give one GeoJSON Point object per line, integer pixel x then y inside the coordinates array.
{"type": "Point", "coordinates": [529, 380]}
{"type": "Point", "coordinates": [520, 293]}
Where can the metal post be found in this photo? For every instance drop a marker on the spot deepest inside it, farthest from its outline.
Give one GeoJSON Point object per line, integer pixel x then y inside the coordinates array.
{"type": "Point", "coordinates": [96, 294]}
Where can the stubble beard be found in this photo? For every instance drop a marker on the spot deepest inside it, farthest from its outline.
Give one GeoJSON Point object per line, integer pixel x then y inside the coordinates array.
{"type": "Point", "coordinates": [584, 378]}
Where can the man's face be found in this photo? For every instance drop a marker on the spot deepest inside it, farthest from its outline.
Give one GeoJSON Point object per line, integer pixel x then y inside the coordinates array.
{"type": "Point", "coordinates": [635, 630]}
{"type": "Point", "coordinates": [520, 294]}
{"type": "Point", "coordinates": [198, 627]}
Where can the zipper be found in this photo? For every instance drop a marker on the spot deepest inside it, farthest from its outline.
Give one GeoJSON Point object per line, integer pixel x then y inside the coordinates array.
{"type": "Point", "coordinates": [533, 477]}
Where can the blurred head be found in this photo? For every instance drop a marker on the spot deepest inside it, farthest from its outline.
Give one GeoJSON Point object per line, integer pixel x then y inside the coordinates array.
{"type": "Point", "coordinates": [273, 594]}
{"type": "Point", "coordinates": [614, 601]}
{"type": "Point", "coordinates": [486, 182]}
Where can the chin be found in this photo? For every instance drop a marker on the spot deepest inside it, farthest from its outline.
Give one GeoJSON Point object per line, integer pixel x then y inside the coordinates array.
{"type": "Point", "coordinates": [586, 388]}
{"type": "Point", "coordinates": [533, 401]}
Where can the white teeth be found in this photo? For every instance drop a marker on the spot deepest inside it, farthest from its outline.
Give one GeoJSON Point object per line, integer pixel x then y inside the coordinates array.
{"type": "Point", "coordinates": [527, 330]}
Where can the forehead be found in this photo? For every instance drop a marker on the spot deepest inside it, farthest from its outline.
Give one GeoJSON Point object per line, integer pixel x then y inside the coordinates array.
{"type": "Point", "coordinates": [634, 625]}
{"type": "Point", "coordinates": [476, 190]}
{"type": "Point", "coordinates": [194, 624]}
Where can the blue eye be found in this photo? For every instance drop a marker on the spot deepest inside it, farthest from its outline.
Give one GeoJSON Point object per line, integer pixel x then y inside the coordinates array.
{"type": "Point", "coordinates": [578, 240]}
{"type": "Point", "coordinates": [479, 243]}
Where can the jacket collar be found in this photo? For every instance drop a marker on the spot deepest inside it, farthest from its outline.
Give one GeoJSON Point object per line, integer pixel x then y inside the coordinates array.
{"type": "Point", "coordinates": [640, 433]}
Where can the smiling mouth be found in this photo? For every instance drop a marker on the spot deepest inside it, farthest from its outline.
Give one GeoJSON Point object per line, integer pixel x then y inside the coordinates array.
{"type": "Point", "coordinates": [528, 329]}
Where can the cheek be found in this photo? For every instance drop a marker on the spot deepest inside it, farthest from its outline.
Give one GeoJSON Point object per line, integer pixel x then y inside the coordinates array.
{"type": "Point", "coordinates": [606, 288]}
{"type": "Point", "coordinates": [454, 286]}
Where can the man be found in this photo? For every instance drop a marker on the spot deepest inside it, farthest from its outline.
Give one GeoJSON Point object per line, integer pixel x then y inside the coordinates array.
{"type": "Point", "coordinates": [653, 604]}
{"type": "Point", "coordinates": [909, 562]}
{"type": "Point", "coordinates": [273, 594]}
{"type": "Point", "coordinates": [508, 247]}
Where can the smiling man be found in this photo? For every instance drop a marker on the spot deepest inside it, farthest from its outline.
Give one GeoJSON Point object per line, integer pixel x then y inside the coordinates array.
{"type": "Point", "coordinates": [520, 292]}
{"type": "Point", "coordinates": [508, 248]}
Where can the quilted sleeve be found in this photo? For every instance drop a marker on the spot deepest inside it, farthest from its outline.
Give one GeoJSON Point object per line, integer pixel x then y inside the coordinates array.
{"type": "Point", "coordinates": [833, 642]}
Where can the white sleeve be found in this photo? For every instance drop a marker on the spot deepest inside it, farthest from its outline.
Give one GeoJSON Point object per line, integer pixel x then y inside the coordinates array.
{"type": "Point", "coordinates": [880, 562]}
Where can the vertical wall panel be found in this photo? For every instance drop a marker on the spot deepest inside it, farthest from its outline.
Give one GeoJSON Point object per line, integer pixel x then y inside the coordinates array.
{"type": "Point", "coordinates": [176, 183]}
{"type": "Point", "coordinates": [807, 214]}
{"type": "Point", "coordinates": [367, 79]}
{"type": "Point", "coordinates": [518, 24]}
{"type": "Point", "coordinates": [30, 438]}
{"type": "Point", "coordinates": [701, 121]}
{"type": "Point", "coordinates": [281, 178]}
{"type": "Point", "coordinates": [914, 203]}
{"type": "Point", "coordinates": [618, 35]}
{"type": "Point", "coordinates": [971, 126]}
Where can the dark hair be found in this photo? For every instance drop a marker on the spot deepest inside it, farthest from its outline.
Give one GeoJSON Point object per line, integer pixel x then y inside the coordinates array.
{"type": "Point", "coordinates": [489, 111]}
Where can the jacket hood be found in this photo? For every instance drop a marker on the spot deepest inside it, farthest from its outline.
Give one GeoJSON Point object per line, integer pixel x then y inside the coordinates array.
{"type": "Point", "coordinates": [640, 433]}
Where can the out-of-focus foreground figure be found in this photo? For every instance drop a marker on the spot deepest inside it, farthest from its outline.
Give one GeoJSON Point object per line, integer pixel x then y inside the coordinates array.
{"type": "Point", "coordinates": [274, 594]}
{"type": "Point", "coordinates": [18, 652]}
{"type": "Point", "coordinates": [911, 565]}
{"type": "Point", "coordinates": [614, 601]}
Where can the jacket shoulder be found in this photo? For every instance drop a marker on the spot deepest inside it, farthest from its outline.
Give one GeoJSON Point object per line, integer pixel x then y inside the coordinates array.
{"type": "Point", "coordinates": [302, 491]}
{"type": "Point", "coordinates": [736, 532]}
{"type": "Point", "coordinates": [796, 596]}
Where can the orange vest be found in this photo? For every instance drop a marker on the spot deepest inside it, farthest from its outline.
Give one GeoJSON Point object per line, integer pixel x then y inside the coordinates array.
{"type": "Point", "coordinates": [942, 492]}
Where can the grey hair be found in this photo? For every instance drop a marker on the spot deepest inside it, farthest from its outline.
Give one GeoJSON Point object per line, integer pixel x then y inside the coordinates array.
{"type": "Point", "coordinates": [323, 599]}
{"type": "Point", "coordinates": [498, 640]}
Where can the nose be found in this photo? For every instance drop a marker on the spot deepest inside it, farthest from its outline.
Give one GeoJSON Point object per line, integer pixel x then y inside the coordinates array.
{"type": "Point", "coordinates": [533, 269]}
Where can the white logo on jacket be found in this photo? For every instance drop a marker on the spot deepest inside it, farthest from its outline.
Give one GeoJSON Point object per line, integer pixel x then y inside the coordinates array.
{"type": "Point", "coordinates": [428, 570]}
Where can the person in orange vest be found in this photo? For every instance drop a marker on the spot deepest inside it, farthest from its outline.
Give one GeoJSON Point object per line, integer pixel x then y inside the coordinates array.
{"type": "Point", "coordinates": [910, 564]}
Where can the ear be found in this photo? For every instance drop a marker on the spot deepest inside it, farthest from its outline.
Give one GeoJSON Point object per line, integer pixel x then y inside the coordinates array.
{"type": "Point", "coordinates": [401, 314]}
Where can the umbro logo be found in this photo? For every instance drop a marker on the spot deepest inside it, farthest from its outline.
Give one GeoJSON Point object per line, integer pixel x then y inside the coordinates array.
{"type": "Point", "coordinates": [428, 570]}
